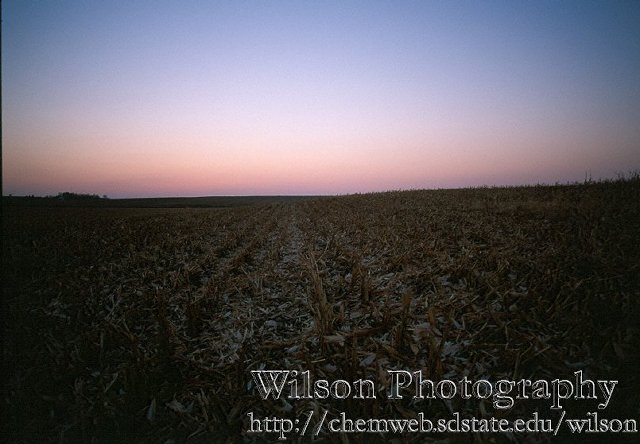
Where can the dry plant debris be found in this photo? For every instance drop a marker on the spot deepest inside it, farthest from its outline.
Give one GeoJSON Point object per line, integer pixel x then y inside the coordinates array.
{"type": "Point", "coordinates": [144, 324]}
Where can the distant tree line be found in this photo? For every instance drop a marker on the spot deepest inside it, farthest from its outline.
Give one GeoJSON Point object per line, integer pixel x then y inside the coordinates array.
{"type": "Point", "coordinates": [78, 196]}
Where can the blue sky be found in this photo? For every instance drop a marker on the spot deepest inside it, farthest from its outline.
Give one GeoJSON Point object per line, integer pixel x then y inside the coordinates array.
{"type": "Point", "coordinates": [158, 98]}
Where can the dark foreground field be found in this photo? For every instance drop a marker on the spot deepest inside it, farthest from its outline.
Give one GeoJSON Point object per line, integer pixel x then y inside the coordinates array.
{"type": "Point", "coordinates": [143, 325]}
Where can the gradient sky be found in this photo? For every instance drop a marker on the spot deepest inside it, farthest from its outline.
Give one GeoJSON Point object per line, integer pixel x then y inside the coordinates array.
{"type": "Point", "coordinates": [185, 98]}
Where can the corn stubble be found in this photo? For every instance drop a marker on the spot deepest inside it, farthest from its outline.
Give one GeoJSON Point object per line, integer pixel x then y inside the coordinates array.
{"type": "Point", "coordinates": [144, 325]}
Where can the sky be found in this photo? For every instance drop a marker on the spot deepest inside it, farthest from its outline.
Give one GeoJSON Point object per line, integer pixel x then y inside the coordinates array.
{"type": "Point", "coordinates": [196, 98]}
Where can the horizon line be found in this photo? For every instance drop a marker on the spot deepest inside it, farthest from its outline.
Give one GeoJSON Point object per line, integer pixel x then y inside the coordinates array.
{"type": "Point", "coordinates": [632, 175]}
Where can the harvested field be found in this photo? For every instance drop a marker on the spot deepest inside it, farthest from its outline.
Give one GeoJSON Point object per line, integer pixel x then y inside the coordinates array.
{"type": "Point", "coordinates": [144, 325]}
